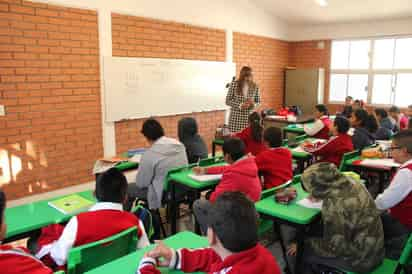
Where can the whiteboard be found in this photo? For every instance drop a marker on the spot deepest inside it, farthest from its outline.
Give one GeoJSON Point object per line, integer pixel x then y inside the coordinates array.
{"type": "Point", "coordinates": [144, 87]}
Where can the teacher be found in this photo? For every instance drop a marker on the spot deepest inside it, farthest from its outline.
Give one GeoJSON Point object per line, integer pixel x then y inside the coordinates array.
{"type": "Point", "coordinates": [243, 97]}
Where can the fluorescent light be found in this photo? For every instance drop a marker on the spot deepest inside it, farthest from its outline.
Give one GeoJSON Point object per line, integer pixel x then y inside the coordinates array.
{"type": "Point", "coordinates": [322, 3]}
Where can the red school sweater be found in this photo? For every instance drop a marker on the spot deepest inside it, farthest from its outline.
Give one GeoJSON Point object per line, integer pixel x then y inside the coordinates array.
{"type": "Point", "coordinates": [324, 132]}
{"type": "Point", "coordinates": [403, 211]}
{"type": "Point", "coordinates": [255, 260]}
{"type": "Point", "coordinates": [20, 261]}
{"type": "Point", "coordinates": [333, 150]}
{"type": "Point", "coordinates": [240, 176]}
{"type": "Point", "coordinates": [275, 165]}
{"type": "Point", "coordinates": [252, 146]}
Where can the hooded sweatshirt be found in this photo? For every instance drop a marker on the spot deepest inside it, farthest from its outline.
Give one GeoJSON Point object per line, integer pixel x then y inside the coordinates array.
{"type": "Point", "coordinates": [20, 261]}
{"type": "Point", "coordinates": [362, 138]}
{"type": "Point", "coordinates": [196, 148]}
{"type": "Point", "coordinates": [241, 176]}
{"type": "Point", "coordinates": [352, 228]}
{"type": "Point", "coordinates": [164, 155]}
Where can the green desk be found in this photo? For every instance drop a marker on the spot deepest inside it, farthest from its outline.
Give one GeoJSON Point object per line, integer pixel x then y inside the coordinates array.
{"type": "Point", "coordinates": [301, 157]}
{"type": "Point", "coordinates": [25, 219]}
{"type": "Point", "coordinates": [294, 128]}
{"type": "Point", "coordinates": [215, 143]}
{"type": "Point", "coordinates": [123, 166]}
{"type": "Point", "coordinates": [292, 215]}
{"type": "Point", "coordinates": [128, 264]}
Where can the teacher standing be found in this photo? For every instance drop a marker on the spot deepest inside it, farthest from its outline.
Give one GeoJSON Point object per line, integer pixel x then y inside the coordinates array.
{"type": "Point", "coordinates": [243, 98]}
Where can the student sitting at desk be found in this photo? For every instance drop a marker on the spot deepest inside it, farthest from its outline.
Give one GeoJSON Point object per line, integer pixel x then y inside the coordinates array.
{"type": "Point", "coordinates": [241, 175]}
{"type": "Point", "coordinates": [365, 128]}
{"type": "Point", "coordinates": [275, 163]}
{"type": "Point", "coordinates": [339, 144]}
{"type": "Point", "coordinates": [399, 119]}
{"type": "Point", "coordinates": [385, 130]}
{"type": "Point", "coordinates": [196, 148]}
{"type": "Point", "coordinates": [397, 198]}
{"type": "Point", "coordinates": [351, 235]}
{"type": "Point", "coordinates": [409, 112]}
{"type": "Point", "coordinates": [106, 218]}
{"type": "Point", "coordinates": [232, 233]}
{"type": "Point", "coordinates": [252, 135]}
{"type": "Point", "coordinates": [16, 260]}
{"type": "Point", "coordinates": [347, 108]}
{"type": "Point", "coordinates": [321, 127]}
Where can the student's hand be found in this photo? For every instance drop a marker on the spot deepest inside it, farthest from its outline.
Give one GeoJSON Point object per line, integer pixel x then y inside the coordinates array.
{"type": "Point", "coordinates": [161, 251]}
{"type": "Point", "coordinates": [199, 170]}
{"type": "Point", "coordinates": [292, 249]}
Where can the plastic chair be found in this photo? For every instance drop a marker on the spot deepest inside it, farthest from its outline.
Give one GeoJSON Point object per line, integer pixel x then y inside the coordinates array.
{"type": "Point", "coordinates": [346, 157]}
{"type": "Point", "coordinates": [395, 267]}
{"type": "Point", "coordinates": [86, 257]}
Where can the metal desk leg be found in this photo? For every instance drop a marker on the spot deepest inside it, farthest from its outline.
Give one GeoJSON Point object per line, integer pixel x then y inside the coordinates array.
{"type": "Point", "coordinates": [173, 210]}
{"type": "Point", "coordinates": [276, 230]}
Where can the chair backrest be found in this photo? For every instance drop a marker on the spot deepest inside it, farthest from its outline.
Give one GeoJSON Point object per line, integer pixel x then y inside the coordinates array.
{"type": "Point", "coordinates": [86, 257]}
{"type": "Point", "coordinates": [405, 258]}
{"type": "Point", "coordinates": [347, 156]}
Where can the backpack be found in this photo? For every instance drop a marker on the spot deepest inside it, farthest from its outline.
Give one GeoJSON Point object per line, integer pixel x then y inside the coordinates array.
{"type": "Point", "coordinates": [145, 216]}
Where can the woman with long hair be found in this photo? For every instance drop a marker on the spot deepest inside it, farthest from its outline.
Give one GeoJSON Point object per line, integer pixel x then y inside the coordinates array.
{"type": "Point", "coordinates": [243, 98]}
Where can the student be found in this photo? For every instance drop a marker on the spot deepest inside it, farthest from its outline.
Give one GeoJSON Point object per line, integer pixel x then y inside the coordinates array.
{"type": "Point", "coordinates": [341, 143]}
{"type": "Point", "coordinates": [196, 148]}
{"type": "Point", "coordinates": [240, 175]}
{"type": "Point", "coordinates": [16, 260]}
{"type": "Point", "coordinates": [358, 104]}
{"type": "Point", "coordinates": [352, 238]}
{"type": "Point", "coordinates": [347, 109]}
{"type": "Point", "coordinates": [106, 218]}
{"type": "Point", "coordinates": [397, 198]}
{"type": "Point", "coordinates": [410, 116]}
{"type": "Point", "coordinates": [232, 233]}
{"type": "Point", "coordinates": [275, 163]}
{"type": "Point", "coordinates": [320, 129]}
{"type": "Point", "coordinates": [399, 119]}
{"type": "Point", "coordinates": [365, 127]}
{"type": "Point", "coordinates": [252, 135]}
{"type": "Point", "coordinates": [385, 130]}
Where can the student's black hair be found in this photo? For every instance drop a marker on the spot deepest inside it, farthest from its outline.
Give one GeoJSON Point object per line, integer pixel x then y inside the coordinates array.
{"type": "Point", "coordinates": [404, 139]}
{"type": "Point", "coordinates": [273, 135]}
{"type": "Point", "coordinates": [234, 220]}
{"type": "Point", "coordinates": [381, 112]}
{"type": "Point", "coordinates": [2, 205]}
{"type": "Point", "coordinates": [186, 128]}
{"type": "Point", "coordinates": [111, 186]}
{"type": "Point", "coordinates": [349, 97]}
{"type": "Point", "coordinates": [322, 109]}
{"type": "Point", "coordinates": [371, 123]}
{"type": "Point", "coordinates": [366, 120]}
{"type": "Point", "coordinates": [342, 124]}
{"type": "Point", "coordinates": [234, 147]}
{"type": "Point", "coordinates": [255, 122]}
{"type": "Point", "coordinates": [394, 109]}
{"type": "Point", "coordinates": [152, 129]}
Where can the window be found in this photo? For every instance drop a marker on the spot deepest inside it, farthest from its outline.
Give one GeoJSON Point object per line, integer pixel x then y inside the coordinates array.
{"type": "Point", "coordinates": [377, 71]}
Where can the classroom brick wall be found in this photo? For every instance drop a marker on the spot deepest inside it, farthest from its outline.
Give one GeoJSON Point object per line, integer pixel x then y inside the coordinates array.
{"type": "Point", "coordinates": [268, 57]}
{"type": "Point", "coordinates": [49, 83]}
{"type": "Point", "coordinates": [144, 37]}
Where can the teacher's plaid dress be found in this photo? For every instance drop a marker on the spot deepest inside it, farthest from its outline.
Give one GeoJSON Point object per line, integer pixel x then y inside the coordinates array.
{"type": "Point", "coordinates": [238, 118]}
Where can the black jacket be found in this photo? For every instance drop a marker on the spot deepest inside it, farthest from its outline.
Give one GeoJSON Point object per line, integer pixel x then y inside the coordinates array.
{"type": "Point", "coordinates": [362, 138]}
{"type": "Point", "coordinates": [385, 130]}
{"type": "Point", "coordinates": [196, 148]}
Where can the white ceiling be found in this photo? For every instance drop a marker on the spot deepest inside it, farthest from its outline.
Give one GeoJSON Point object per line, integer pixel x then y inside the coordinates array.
{"type": "Point", "coordinates": [337, 11]}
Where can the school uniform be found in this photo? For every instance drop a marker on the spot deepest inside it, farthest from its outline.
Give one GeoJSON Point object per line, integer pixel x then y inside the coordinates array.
{"type": "Point", "coordinates": [101, 221]}
{"type": "Point", "coordinates": [254, 260]}
{"type": "Point", "coordinates": [275, 165]}
{"type": "Point", "coordinates": [403, 122]}
{"type": "Point", "coordinates": [252, 146]}
{"type": "Point", "coordinates": [320, 128]}
{"type": "Point", "coordinates": [362, 138]}
{"type": "Point", "coordinates": [20, 261]}
{"type": "Point", "coordinates": [333, 150]}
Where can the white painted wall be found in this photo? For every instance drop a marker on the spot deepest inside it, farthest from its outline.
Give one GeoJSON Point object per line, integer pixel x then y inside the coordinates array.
{"type": "Point", "coordinates": [350, 30]}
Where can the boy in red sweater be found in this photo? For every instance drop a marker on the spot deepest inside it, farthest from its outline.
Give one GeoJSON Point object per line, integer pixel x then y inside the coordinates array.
{"type": "Point", "coordinates": [339, 144]}
{"type": "Point", "coordinates": [321, 127]}
{"type": "Point", "coordinates": [104, 219]}
{"type": "Point", "coordinates": [233, 239]}
{"type": "Point", "coordinates": [240, 175]}
{"type": "Point", "coordinates": [252, 135]}
{"type": "Point", "coordinates": [17, 260]}
{"type": "Point", "coordinates": [275, 163]}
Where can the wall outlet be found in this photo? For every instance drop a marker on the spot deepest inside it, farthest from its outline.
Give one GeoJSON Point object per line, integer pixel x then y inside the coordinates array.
{"type": "Point", "coordinates": [2, 111]}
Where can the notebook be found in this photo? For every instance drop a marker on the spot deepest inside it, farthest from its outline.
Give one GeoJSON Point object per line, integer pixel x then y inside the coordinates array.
{"type": "Point", "coordinates": [205, 178]}
{"type": "Point", "coordinates": [309, 204]}
{"type": "Point", "coordinates": [71, 205]}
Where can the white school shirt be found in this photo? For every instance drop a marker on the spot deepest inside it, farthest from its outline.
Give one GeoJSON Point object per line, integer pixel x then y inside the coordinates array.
{"type": "Point", "coordinates": [59, 250]}
{"type": "Point", "coordinates": [398, 190]}
{"type": "Point", "coordinates": [317, 126]}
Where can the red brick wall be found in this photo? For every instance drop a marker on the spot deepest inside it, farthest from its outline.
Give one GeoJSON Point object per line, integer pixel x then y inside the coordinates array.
{"type": "Point", "coordinates": [49, 83]}
{"type": "Point", "coordinates": [143, 37]}
{"type": "Point", "coordinates": [268, 58]}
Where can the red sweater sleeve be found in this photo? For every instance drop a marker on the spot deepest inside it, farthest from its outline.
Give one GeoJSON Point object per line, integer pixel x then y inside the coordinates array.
{"type": "Point", "coordinates": [148, 269]}
{"type": "Point", "coordinates": [326, 149]}
{"type": "Point", "coordinates": [197, 260]}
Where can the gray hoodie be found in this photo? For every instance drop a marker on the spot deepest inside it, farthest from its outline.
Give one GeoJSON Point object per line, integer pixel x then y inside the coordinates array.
{"type": "Point", "coordinates": [165, 154]}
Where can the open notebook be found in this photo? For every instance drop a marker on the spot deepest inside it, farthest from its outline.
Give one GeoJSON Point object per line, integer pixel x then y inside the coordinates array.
{"type": "Point", "coordinates": [205, 178]}
{"type": "Point", "coordinates": [309, 204]}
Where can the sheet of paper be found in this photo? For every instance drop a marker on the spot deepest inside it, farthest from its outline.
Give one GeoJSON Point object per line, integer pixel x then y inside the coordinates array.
{"type": "Point", "coordinates": [380, 162]}
{"type": "Point", "coordinates": [276, 117]}
{"type": "Point", "coordinates": [309, 204]}
{"type": "Point", "coordinates": [136, 158]}
{"type": "Point", "coordinates": [205, 178]}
